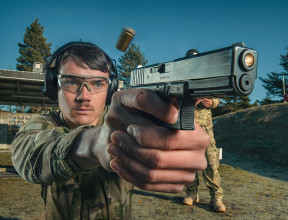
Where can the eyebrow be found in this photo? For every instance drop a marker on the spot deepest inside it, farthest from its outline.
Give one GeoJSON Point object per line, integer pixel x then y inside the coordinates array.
{"type": "Point", "coordinates": [59, 76]}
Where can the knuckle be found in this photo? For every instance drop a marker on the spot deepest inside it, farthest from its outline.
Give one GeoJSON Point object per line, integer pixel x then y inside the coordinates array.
{"type": "Point", "coordinates": [155, 161]}
{"type": "Point", "coordinates": [205, 141]}
{"type": "Point", "coordinates": [199, 161]}
{"type": "Point", "coordinates": [142, 97]}
{"type": "Point", "coordinates": [150, 177]}
{"type": "Point", "coordinates": [170, 142]}
{"type": "Point", "coordinates": [203, 164]}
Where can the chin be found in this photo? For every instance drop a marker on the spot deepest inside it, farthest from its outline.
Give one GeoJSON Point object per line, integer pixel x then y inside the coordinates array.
{"type": "Point", "coordinates": [84, 121]}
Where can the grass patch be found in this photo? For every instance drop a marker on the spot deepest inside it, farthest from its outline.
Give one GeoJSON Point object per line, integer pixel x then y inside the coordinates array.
{"type": "Point", "coordinates": [5, 159]}
{"type": "Point", "coordinates": [20, 199]}
{"type": "Point", "coordinates": [246, 196]}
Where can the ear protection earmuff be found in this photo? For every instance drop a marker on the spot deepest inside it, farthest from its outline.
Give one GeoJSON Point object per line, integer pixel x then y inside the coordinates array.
{"type": "Point", "coordinates": [50, 79]}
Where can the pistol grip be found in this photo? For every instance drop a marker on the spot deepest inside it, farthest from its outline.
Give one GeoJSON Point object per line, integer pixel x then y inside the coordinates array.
{"type": "Point", "coordinates": [185, 119]}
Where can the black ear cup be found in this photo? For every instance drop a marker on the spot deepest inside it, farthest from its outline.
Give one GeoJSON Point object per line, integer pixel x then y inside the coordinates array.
{"type": "Point", "coordinates": [50, 79]}
{"type": "Point", "coordinates": [50, 84]}
{"type": "Point", "coordinates": [113, 87]}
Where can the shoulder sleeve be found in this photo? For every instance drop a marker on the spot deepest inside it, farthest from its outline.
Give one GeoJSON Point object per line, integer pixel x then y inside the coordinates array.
{"type": "Point", "coordinates": [215, 103]}
{"type": "Point", "coordinates": [40, 151]}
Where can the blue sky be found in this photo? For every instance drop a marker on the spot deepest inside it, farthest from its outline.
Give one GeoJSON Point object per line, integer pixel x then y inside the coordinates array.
{"type": "Point", "coordinates": [165, 29]}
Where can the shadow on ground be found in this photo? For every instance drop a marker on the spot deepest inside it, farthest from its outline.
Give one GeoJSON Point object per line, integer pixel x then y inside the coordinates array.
{"type": "Point", "coordinates": [172, 198]}
{"type": "Point", "coordinates": [203, 204]}
{"type": "Point", "coordinates": [255, 165]}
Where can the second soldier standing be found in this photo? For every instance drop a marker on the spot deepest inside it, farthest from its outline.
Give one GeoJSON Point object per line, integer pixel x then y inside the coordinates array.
{"type": "Point", "coordinates": [211, 176]}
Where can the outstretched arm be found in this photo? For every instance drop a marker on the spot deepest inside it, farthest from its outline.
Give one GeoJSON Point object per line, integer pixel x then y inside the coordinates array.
{"type": "Point", "coordinates": [139, 150]}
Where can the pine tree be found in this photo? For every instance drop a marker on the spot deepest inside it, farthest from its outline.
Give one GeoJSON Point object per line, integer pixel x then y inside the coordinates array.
{"type": "Point", "coordinates": [34, 49]}
{"type": "Point", "coordinates": [266, 101]}
{"type": "Point", "coordinates": [243, 102]}
{"type": "Point", "coordinates": [129, 61]}
{"type": "Point", "coordinates": [284, 61]}
{"type": "Point", "coordinates": [274, 82]}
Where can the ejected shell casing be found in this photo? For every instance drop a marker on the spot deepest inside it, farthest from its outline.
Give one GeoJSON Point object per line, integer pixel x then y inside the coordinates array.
{"type": "Point", "coordinates": [125, 38]}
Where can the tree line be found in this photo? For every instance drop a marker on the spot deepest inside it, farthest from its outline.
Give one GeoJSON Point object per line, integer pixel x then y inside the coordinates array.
{"type": "Point", "coordinates": [35, 49]}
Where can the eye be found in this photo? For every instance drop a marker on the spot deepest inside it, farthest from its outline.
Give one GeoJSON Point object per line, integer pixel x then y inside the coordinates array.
{"type": "Point", "coordinates": [99, 84]}
{"type": "Point", "coordinates": [71, 82]}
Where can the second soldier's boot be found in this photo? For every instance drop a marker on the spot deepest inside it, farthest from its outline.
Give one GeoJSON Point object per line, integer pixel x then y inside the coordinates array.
{"type": "Point", "coordinates": [187, 201]}
{"type": "Point", "coordinates": [217, 205]}
{"type": "Point", "coordinates": [193, 198]}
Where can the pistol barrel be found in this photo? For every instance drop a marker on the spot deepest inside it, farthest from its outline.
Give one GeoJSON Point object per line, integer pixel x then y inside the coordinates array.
{"type": "Point", "coordinates": [219, 73]}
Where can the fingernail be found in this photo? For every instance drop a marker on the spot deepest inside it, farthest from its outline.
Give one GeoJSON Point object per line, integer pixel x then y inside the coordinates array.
{"type": "Point", "coordinates": [176, 117]}
{"type": "Point", "coordinates": [115, 166]}
{"type": "Point", "coordinates": [131, 131]}
{"type": "Point", "coordinates": [117, 139]}
{"type": "Point", "coordinates": [113, 152]}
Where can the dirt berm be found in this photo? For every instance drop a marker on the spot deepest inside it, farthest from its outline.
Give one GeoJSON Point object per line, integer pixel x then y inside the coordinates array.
{"type": "Point", "coordinates": [259, 133]}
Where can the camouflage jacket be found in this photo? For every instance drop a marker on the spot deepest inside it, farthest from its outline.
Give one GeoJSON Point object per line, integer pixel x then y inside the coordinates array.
{"type": "Point", "coordinates": [41, 154]}
{"type": "Point", "coordinates": [203, 115]}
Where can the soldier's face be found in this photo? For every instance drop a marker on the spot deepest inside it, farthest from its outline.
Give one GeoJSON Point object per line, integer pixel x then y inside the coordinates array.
{"type": "Point", "coordinates": [80, 108]}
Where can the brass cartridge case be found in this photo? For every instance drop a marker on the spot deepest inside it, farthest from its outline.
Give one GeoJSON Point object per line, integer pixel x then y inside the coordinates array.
{"type": "Point", "coordinates": [125, 38]}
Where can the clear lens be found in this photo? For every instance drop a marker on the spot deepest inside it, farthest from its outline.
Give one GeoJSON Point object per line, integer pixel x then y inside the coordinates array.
{"type": "Point", "coordinates": [75, 84]}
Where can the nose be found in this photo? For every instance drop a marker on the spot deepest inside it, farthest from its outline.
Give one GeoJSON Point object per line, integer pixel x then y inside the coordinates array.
{"type": "Point", "coordinates": [84, 93]}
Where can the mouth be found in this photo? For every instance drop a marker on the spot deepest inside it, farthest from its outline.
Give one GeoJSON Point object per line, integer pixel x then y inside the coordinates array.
{"type": "Point", "coordinates": [83, 110]}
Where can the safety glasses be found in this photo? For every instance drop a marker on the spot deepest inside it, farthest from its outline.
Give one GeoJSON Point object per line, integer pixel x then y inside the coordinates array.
{"type": "Point", "coordinates": [74, 84]}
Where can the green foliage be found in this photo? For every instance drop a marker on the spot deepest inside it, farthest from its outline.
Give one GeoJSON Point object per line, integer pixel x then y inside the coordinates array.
{"type": "Point", "coordinates": [273, 83]}
{"type": "Point", "coordinates": [34, 49]}
{"type": "Point", "coordinates": [232, 104]}
{"type": "Point", "coordinates": [129, 61]}
{"type": "Point", "coordinates": [267, 100]}
{"type": "Point", "coordinates": [284, 61]}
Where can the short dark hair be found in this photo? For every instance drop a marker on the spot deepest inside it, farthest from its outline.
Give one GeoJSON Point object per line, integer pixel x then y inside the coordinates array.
{"type": "Point", "coordinates": [92, 56]}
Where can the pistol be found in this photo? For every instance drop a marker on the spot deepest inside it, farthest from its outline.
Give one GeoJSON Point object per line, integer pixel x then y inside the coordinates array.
{"type": "Point", "coordinates": [229, 71]}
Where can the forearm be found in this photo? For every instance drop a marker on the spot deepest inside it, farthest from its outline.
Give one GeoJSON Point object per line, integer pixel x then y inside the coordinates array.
{"type": "Point", "coordinates": [43, 156]}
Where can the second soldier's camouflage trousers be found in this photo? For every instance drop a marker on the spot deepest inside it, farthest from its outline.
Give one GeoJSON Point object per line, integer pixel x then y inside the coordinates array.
{"type": "Point", "coordinates": [210, 174]}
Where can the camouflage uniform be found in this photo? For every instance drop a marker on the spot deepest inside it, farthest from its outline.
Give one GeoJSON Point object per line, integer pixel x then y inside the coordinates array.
{"type": "Point", "coordinates": [41, 154]}
{"type": "Point", "coordinates": [203, 117]}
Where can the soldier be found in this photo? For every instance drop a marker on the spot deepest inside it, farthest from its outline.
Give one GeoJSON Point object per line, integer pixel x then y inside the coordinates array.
{"type": "Point", "coordinates": [211, 175]}
{"type": "Point", "coordinates": [72, 152]}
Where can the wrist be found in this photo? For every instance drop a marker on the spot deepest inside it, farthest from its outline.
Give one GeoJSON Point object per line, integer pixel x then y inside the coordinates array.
{"type": "Point", "coordinates": [89, 149]}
